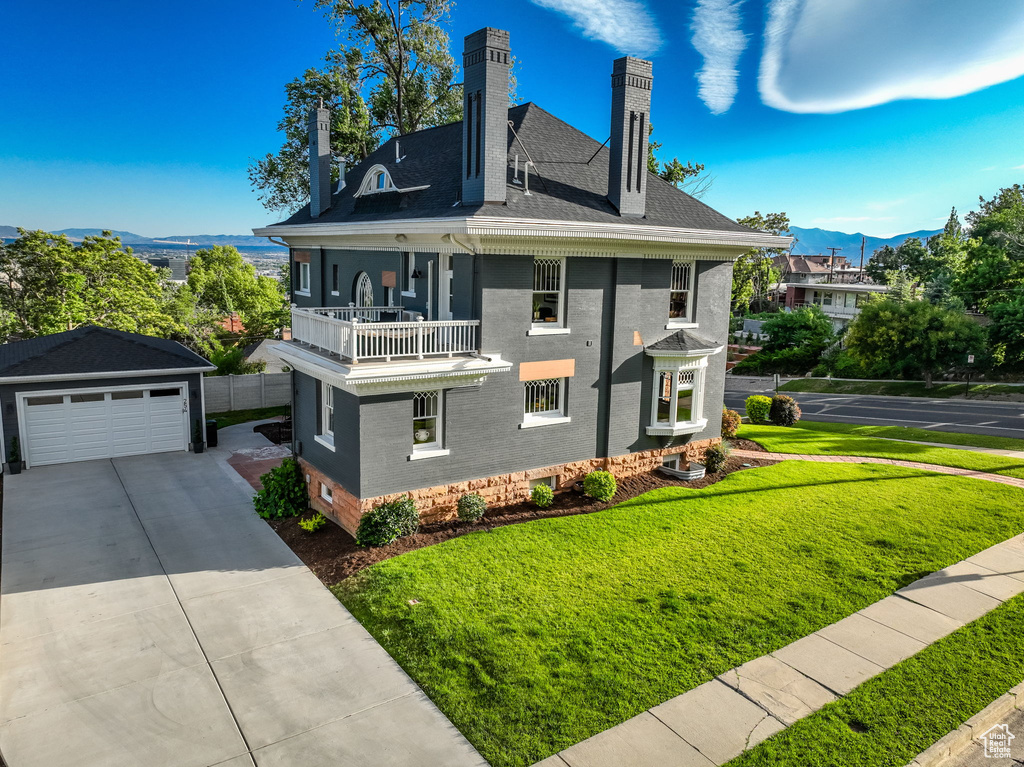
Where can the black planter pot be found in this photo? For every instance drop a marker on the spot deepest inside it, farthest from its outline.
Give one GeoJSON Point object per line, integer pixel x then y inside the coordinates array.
{"type": "Point", "coordinates": [198, 447]}
{"type": "Point", "coordinates": [14, 467]}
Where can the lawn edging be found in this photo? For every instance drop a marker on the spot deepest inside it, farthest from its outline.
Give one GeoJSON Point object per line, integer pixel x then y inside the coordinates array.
{"type": "Point", "coordinates": [956, 742]}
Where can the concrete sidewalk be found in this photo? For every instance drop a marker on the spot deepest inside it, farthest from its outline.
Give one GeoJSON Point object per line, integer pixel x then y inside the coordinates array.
{"type": "Point", "coordinates": [148, 617]}
{"type": "Point", "coordinates": [721, 719]}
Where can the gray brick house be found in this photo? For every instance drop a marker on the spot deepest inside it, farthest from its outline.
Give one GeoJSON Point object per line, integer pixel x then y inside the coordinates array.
{"type": "Point", "coordinates": [503, 301]}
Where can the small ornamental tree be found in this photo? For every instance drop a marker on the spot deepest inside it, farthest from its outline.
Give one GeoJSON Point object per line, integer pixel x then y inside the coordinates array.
{"type": "Point", "coordinates": [784, 411]}
{"type": "Point", "coordinates": [730, 422]}
{"type": "Point", "coordinates": [757, 407]}
{"type": "Point", "coordinates": [600, 485]}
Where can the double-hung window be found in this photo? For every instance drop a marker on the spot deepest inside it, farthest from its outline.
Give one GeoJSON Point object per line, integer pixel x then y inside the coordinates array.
{"type": "Point", "coordinates": [548, 296]}
{"type": "Point", "coordinates": [680, 304]}
{"type": "Point", "coordinates": [427, 425]}
{"type": "Point", "coordinates": [408, 270]}
{"type": "Point", "coordinates": [325, 434]}
{"type": "Point", "coordinates": [302, 280]}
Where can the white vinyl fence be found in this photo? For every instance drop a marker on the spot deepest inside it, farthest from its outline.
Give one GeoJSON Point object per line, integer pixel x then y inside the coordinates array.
{"type": "Point", "coordinates": [246, 392]}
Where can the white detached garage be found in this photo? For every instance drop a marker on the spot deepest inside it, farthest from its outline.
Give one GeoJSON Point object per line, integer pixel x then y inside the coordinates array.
{"type": "Point", "coordinates": [96, 393]}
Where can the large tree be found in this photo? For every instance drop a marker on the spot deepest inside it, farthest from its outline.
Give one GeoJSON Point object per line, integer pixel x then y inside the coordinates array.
{"type": "Point", "coordinates": [49, 284]}
{"type": "Point", "coordinates": [691, 177]}
{"type": "Point", "coordinates": [391, 74]}
{"type": "Point", "coordinates": [753, 273]}
{"type": "Point", "coordinates": [993, 267]}
{"type": "Point", "coordinates": [912, 338]}
{"type": "Point", "coordinates": [910, 257]}
{"type": "Point", "coordinates": [222, 282]}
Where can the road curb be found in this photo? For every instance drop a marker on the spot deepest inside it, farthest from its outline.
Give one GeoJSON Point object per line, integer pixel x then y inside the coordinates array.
{"type": "Point", "coordinates": [954, 743]}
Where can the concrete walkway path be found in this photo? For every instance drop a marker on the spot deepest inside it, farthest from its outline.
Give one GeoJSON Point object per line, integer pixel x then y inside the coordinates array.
{"type": "Point", "coordinates": [148, 617]}
{"type": "Point", "coordinates": [954, 470]}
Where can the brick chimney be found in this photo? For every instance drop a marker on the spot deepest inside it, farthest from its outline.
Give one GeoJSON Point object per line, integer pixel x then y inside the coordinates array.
{"type": "Point", "coordinates": [319, 161]}
{"type": "Point", "coordinates": [631, 107]}
{"type": "Point", "coordinates": [485, 62]}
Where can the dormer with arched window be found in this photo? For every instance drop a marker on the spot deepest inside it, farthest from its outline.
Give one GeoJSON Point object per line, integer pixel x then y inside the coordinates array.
{"type": "Point", "coordinates": [376, 180]}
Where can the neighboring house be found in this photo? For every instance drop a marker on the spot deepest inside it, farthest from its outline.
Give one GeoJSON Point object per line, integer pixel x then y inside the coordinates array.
{"type": "Point", "coordinates": [502, 302]}
{"type": "Point", "coordinates": [98, 393]}
{"type": "Point", "coordinates": [262, 351]}
{"type": "Point", "coordinates": [840, 302]}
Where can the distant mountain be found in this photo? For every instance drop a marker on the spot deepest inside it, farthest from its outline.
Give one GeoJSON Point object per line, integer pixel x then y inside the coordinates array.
{"type": "Point", "coordinates": [130, 238]}
{"type": "Point", "coordinates": [813, 241]}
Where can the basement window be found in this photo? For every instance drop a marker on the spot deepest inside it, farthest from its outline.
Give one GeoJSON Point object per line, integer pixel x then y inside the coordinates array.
{"type": "Point", "coordinates": [326, 493]}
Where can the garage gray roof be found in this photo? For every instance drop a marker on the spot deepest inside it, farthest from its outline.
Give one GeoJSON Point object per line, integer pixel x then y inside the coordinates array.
{"type": "Point", "coordinates": [91, 350]}
{"type": "Point", "coordinates": [572, 183]}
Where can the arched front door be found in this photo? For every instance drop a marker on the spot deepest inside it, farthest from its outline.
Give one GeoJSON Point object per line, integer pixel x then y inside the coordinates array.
{"type": "Point", "coordinates": [363, 290]}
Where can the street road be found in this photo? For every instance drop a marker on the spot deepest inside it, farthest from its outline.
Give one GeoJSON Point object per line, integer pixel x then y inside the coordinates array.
{"type": "Point", "coordinates": [1001, 419]}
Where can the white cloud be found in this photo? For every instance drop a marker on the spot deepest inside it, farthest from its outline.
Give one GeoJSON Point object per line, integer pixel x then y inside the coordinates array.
{"type": "Point", "coordinates": [1015, 167]}
{"type": "Point", "coordinates": [829, 56]}
{"type": "Point", "coordinates": [719, 39]}
{"type": "Point", "coordinates": [626, 25]}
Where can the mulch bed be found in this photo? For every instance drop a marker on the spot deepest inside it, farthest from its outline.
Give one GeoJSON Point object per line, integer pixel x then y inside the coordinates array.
{"type": "Point", "coordinates": [332, 554]}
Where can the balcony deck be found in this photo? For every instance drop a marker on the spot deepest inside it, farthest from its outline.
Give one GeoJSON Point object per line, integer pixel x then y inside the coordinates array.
{"type": "Point", "coordinates": [359, 334]}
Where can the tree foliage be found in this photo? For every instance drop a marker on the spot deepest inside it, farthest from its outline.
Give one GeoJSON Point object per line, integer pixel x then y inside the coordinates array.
{"type": "Point", "coordinates": [222, 282]}
{"type": "Point", "coordinates": [912, 338]}
{"type": "Point", "coordinates": [49, 284]}
{"type": "Point", "coordinates": [753, 273]}
{"type": "Point", "coordinates": [391, 74]}
{"type": "Point", "coordinates": [690, 178]}
{"type": "Point", "coordinates": [807, 327]}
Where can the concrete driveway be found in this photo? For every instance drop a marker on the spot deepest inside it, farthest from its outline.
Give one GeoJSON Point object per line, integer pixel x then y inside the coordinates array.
{"type": "Point", "coordinates": [148, 617]}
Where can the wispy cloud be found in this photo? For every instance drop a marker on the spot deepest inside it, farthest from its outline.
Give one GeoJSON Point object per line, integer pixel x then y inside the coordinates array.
{"type": "Point", "coordinates": [1016, 167]}
{"type": "Point", "coordinates": [825, 56]}
{"type": "Point", "coordinates": [626, 25]}
{"type": "Point", "coordinates": [719, 39]}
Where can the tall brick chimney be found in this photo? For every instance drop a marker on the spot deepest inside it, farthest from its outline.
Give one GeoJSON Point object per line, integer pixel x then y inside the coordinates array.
{"type": "Point", "coordinates": [319, 161]}
{"type": "Point", "coordinates": [485, 62]}
{"type": "Point", "coordinates": [631, 107]}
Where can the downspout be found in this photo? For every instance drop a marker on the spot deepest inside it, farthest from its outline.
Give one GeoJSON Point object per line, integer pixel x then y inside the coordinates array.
{"type": "Point", "coordinates": [608, 360]}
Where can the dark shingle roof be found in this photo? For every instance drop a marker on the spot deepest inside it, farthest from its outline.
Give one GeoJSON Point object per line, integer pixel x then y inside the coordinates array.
{"type": "Point", "coordinates": [569, 188]}
{"type": "Point", "coordinates": [683, 341]}
{"type": "Point", "coordinates": [93, 350]}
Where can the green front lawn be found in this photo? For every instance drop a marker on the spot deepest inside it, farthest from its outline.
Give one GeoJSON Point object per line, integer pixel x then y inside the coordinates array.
{"type": "Point", "coordinates": [890, 719]}
{"type": "Point", "coordinates": [897, 388]}
{"type": "Point", "coordinates": [233, 417]}
{"type": "Point", "coordinates": [807, 438]}
{"type": "Point", "coordinates": [916, 435]}
{"type": "Point", "coordinates": [533, 637]}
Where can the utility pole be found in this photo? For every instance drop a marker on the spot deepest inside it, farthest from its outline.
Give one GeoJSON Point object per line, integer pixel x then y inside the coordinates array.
{"type": "Point", "coordinates": [860, 276]}
{"type": "Point", "coordinates": [832, 264]}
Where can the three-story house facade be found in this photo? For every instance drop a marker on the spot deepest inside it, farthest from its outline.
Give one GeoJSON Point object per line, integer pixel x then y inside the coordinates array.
{"type": "Point", "coordinates": [504, 301]}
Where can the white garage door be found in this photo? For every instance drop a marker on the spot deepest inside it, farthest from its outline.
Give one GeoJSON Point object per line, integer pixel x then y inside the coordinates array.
{"type": "Point", "coordinates": [79, 426]}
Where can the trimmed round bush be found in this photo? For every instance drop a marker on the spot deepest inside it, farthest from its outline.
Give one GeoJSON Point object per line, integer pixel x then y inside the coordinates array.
{"type": "Point", "coordinates": [758, 407]}
{"type": "Point", "coordinates": [730, 422]}
{"type": "Point", "coordinates": [543, 496]}
{"type": "Point", "coordinates": [284, 492]}
{"type": "Point", "coordinates": [716, 456]}
{"type": "Point", "coordinates": [600, 485]}
{"type": "Point", "coordinates": [388, 522]}
{"type": "Point", "coordinates": [784, 411]}
{"type": "Point", "coordinates": [471, 507]}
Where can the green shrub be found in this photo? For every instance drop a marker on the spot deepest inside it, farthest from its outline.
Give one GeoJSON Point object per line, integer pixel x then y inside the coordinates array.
{"type": "Point", "coordinates": [284, 492]}
{"type": "Point", "coordinates": [14, 456]}
{"type": "Point", "coordinates": [757, 407]}
{"type": "Point", "coordinates": [388, 522]}
{"type": "Point", "coordinates": [314, 523]}
{"type": "Point", "coordinates": [600, 485]}
{"type": "Point", "coordinates": [716, 456]}
{"type": "Point", "coordinates": [471, 507]}
{"type": "Point", "coordinates": [543, 496]}
{"type": "Point", "coordinates": [730, 422]}
{"type": "Point", "coordinates": [791, 361]}
{"type": "Point", "coordinates": [784, 411]}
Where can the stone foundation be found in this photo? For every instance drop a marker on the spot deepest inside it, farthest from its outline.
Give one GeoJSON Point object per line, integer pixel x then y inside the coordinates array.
{"type": "Point", "coordinates": [437, 504]}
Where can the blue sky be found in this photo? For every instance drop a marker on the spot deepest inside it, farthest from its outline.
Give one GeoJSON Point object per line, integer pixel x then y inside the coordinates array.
{"type": "Point", "coordinates": [144, 116]}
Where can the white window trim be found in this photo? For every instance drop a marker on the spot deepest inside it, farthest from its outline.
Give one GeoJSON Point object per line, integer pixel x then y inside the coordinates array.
{"type": "Point", "coordinates": [550, 481]}
{"type": "Point", "coordinates": [437, 452]}
{"type": "Point", "coordinates": [689, 322]}
{"type": "Point", "coordinates": [436, 448]}
{"type": "Point", "coordinates": [326, 436]}
{"type": "Point", "coordinates": [552, 328]}
{"type": "Point", "coordinates": [326, 493]}
{"type": "Point", "coordinates": [369, 186]}
{"type": "Point", "coordinates": [303, 290]}
{"type": "Point", "coordinates": [409, 285]}
{"type": "Point", "coordinates": [532, 421]}
{"type": "Point", "coordinates": [698, 367]}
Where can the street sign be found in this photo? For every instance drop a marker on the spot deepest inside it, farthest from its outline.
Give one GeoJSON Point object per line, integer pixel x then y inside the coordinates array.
{"type": "Point", "coordinates": [970, 359]}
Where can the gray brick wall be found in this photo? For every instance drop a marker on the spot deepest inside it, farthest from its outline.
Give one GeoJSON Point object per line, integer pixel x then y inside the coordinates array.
{"type": "Point", "coordinates": [630, 121]}
{"type": "Point", "coordinates": [486, 61]}
{"type": "Point", "coordinates": [341, 465]}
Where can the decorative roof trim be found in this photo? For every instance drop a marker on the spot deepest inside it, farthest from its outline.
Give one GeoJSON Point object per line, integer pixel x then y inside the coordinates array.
{"type": "Point", "coordinates": [490, 226]}
{"type": "Point", "coordinates": [702, 353]}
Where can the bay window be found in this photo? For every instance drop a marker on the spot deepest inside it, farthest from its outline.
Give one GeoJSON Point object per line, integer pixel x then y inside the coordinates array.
{"type": "Point", "coordinates": [677, 402]}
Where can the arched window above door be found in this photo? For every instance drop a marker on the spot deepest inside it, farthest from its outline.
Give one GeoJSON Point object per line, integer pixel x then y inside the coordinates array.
{"type": "Point", "coordinates": [363, 291]}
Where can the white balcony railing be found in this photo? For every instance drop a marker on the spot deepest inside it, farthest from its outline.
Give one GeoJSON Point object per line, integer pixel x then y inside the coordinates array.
{"type": "Point", "coordinates": [358, 334]}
